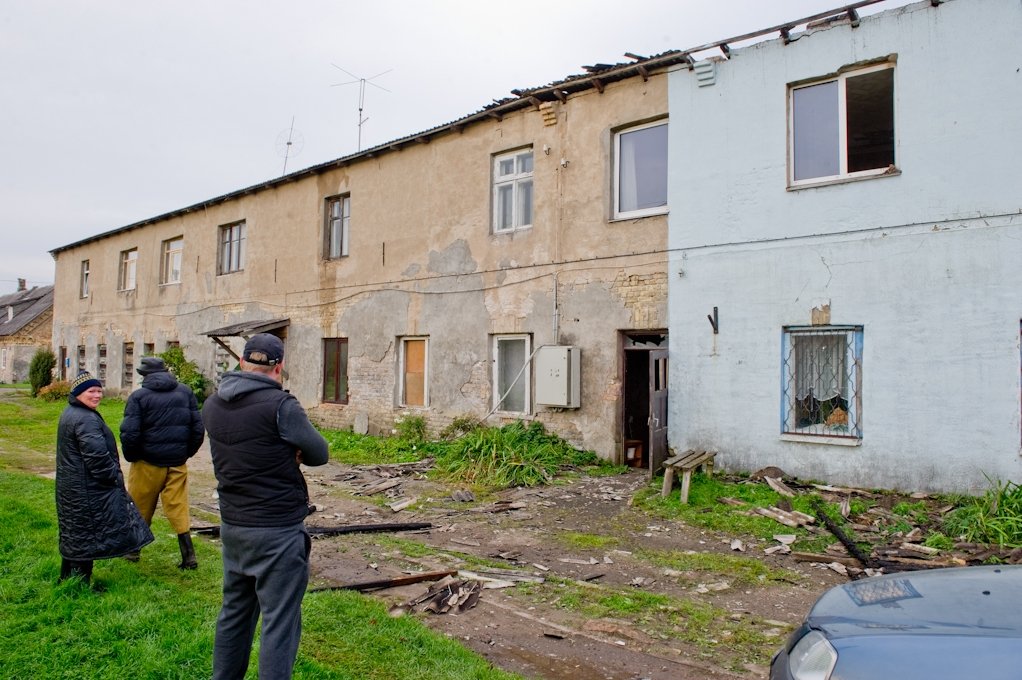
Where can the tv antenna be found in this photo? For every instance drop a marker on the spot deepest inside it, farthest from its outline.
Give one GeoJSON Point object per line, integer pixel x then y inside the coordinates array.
{"type": "Point", "coordinates": [289, 143]}
{"type": "Point", "coordinates": [362, 82]}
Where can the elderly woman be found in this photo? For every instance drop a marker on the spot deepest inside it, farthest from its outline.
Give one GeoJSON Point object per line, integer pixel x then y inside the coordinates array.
{"type": "Point", "coordinates": [95, 515]}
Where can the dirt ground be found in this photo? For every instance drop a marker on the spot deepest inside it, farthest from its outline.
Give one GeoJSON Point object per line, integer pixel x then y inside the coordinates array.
{"type": "Point", "coordinates": [532, 636]}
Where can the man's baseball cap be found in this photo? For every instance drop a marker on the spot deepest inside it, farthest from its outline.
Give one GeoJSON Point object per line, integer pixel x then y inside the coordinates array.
{"type": "Point", "coordinates": [264, 349]}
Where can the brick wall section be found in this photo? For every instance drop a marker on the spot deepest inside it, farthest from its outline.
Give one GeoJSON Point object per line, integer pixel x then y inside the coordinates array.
{"type": "Point", "coordinates": [645, 296]}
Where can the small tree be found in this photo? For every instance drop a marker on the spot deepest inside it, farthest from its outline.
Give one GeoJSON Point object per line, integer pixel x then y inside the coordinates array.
{"type": "Point", "coordinates": [40, 371]}
{"type": "Point", "coordinates": [187, 372]}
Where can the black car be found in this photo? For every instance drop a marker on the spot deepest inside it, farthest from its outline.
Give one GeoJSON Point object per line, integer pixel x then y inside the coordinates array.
{"type": "Point", "coordinates": [960, 623]}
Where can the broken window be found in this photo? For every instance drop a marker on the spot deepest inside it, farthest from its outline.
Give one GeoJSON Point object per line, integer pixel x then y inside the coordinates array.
{"type": "Point", "coordinates": [640, 171]}
{"type": "Point", "coordinates": [170, 265]}
{"type": "Point", "coordinates": [126, 275]}
{"type": "Point", "coordinates": [414, 372]}
{"type": "Point", "coordinates": [843, 127]}
{"type": "Point", "coordinates": [822, 381]}
{"type": "Point", "coordinates": [128, 369]}
{"type": "Point", "coordinates": [335, 370]}
{"type": "Point", "coordinates": [338, 219]}
{"type": "Point", "coordinates": [511, 375]}
{"type": "Point", "coordinates": [232, 248]}
{"type": "Point", "coordinates": [512, 191]}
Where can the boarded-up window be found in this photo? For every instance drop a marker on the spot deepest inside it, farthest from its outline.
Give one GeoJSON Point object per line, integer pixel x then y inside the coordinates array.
{"type": "Point", "coordinates": [414, 372]}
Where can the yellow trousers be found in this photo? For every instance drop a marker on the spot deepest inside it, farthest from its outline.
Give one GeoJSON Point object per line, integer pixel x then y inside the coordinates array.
{"type": "Point", "coordinates": [149, 483]}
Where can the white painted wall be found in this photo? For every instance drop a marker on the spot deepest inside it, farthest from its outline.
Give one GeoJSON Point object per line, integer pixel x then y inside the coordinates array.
{"type": "Point", "coordinates": [928, 261]}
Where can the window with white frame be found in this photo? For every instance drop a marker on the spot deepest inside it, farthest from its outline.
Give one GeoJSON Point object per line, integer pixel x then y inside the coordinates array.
{"type": "Point", "coordinates": [170, 262]}
{"type": "Point", "coordinates": [842, 127]}
{"type": "Point", "coordinates": [512, 377]}
{"type": "Point", "coordinates": [232, 248]}
{"type": "Point", "coordinates": [338, 221]}
{"type": "Point", "coordinates": [821, 389]}
{"type": "Point", "coordinates": [414, 372]}
{"type": "Point", "coordinates": [640, 170]}
{"type": "Point", "coordinates": [83, 281]}
{"type": "Point", "coordinates": [512, 191]}
{"type": "Point", "coordinates": [127, 269]}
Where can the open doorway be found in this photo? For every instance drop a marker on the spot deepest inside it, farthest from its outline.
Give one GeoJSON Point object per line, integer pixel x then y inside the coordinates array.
{"type": "Point", "coordinates": [644, 417]}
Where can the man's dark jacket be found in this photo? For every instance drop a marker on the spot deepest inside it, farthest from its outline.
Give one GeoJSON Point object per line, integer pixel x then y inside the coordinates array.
{"type": "Point", "coordinates": [255, 431]}
{"type": "Point", "coordinates": [162, 424]}
{"type": "Point", "coordinates": [95, 515]}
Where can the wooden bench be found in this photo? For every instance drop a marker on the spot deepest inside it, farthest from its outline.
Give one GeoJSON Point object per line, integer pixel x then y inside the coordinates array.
{"type": "Point", "coordinates": [686, 463]}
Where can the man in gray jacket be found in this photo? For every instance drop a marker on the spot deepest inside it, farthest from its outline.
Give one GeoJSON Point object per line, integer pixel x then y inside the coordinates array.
{"type": "Point", "coordinates": [259, 435]}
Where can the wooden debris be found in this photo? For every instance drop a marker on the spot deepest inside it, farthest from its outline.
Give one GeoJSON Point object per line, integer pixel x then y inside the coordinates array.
{"type": "Point", "coordinates": [466, 541]}
{"type": "Point", "coordinates": [575, 560]}
{"type": "Point", "coordinates": [786, 539]}
{"type": "Point", "coordinates": [398, 506]}
{"type": "Point", "coordinates": [782, 549]}
{"type": "Point", "coordinates": [503, 574]}
{"type": "Point", "coordinates": [463, 496]}
{"type": "Point", "coordinates": [825, 559]}
{"type": "Point", "coordinates": [502, 506]}
{"type": "Point", "coordinates": [737, 544]}
{"type": "Point", "coordinates": [368, 528]}
{"type": "Point", "coordinates": [790, 519]}
{"type": "Point", "coordinates": [780, 487]}
{"type": "Point", "coordinates": [727, 500]}
{"type": "Point", "coordinates": [378, 487]}
{"type": "Point", "coordinates": [381, 584]}
{"type": "Point", "coordinates": [924, 550]}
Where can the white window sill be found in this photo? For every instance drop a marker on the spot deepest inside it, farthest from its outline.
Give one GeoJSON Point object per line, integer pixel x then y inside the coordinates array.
{"type": "Point", "coordinates": [638, 215]}
{"type": "Point", "coordinates": [810, 184]}
{"type": "Point", "coordinates": [821, 439]}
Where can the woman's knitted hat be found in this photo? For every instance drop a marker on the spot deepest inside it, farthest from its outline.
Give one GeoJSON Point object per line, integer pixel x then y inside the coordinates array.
{"type": "Point", "coordinates": [84, 381]}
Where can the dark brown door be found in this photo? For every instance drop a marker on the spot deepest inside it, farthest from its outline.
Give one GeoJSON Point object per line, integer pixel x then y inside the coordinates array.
{"type": "Point", "coordinates": [657, 409]}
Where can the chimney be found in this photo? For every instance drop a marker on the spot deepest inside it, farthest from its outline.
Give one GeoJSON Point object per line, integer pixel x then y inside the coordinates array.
{"type": "Point", "coordinates": [21, 285]}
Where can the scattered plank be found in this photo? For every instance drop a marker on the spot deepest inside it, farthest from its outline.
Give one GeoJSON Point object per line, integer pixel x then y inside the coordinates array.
{"type": "Point", "coordinates": [825, 559]}
{"type": "Point", "coordinates": [381, 584]}
{"type": "Point", "coordinates": [398, 506]}
{"type": "Point", "coordinates": [378, 487]}
{"type": "Point", "coordinates": [779, 486]}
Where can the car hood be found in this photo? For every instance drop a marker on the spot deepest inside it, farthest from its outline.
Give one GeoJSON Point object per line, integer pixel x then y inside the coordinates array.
{"type": "Point", "coordinates": [980, 602]}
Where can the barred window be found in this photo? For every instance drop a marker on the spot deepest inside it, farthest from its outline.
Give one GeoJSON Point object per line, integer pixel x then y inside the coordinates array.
{"type": "Point", "coordinates": [822, 381]}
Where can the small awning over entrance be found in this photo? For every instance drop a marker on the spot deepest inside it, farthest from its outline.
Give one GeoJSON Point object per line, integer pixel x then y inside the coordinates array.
{"type": "Point", "coordinates": [247, 329]}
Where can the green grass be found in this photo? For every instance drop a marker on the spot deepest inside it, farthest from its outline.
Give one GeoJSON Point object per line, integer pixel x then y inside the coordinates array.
{"type": "Point", "coordinates": [155, 621]}
{"type": "Point", "coordinates": [738, 570]}
{"type": "Point", "coordinates": [587, 541]}
{"type": "Point", "coordinates": [995, 517]}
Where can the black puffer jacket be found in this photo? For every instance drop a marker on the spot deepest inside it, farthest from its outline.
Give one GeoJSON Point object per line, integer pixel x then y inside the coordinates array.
{"type": "Point", "coordinates": [162, 424]}
{"type": "Point", "coordinates": [95, 515]}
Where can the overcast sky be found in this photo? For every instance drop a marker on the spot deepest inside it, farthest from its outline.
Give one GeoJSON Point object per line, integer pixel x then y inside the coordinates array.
{"type": "Point", "coordinates": [114, 111]}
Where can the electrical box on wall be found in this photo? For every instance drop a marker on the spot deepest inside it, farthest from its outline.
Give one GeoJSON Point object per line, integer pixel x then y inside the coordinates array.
{"type": "Point", "coordinates": [559, 376]}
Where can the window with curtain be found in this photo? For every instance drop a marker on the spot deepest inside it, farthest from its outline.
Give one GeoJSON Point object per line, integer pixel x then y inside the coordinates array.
{"type": "Point", "coordinates": [640, 170]}
{"type": "Point", "coordinates": [822, 381]}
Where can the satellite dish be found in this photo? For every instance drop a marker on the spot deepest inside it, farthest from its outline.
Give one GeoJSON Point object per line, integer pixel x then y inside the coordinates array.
{"type": "Point", "coordinates": [290, 143]}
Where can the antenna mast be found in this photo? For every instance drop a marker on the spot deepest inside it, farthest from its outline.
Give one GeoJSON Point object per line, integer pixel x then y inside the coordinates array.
{"type": "Point", "coordinates": [362, 82]}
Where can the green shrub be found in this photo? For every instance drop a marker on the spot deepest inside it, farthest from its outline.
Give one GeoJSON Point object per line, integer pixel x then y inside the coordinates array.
{"type": "Point", "coordinates": [995, 517]}
{"type": "Point", "coordinates": [187, 372]}
{"type": "Point", "coordinates": [411, 428]}
{"type": "Point", "coordinates": [55, 391]}
{"type": "Point", "coordinates": [40, 371]}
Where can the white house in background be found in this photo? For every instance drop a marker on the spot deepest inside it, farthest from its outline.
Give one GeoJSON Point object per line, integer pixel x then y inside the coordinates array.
{"type": "Point", "coordinates": [845, 283]}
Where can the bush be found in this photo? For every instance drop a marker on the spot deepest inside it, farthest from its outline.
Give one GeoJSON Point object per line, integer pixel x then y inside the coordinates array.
{"type": "Point", "coordinates": [187, 372]}
{"type": "Point", "coordinates": [56, 391]}
{"type": "Point", "coordinates": [40, 371]}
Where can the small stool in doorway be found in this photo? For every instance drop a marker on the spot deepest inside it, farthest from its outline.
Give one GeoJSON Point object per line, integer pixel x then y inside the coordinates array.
{"type": "Point", "coordinates": [686, 463]}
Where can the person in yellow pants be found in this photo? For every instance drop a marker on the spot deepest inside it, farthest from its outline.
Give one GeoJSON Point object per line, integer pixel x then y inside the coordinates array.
{"type": "Point", "coordinates": [161, 430]}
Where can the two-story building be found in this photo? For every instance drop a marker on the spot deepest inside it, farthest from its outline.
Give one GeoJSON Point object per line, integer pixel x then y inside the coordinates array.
{"type": "Point", "coordinates": [510, 264]}
{"type": "Point", "coordinates": [845, 236]}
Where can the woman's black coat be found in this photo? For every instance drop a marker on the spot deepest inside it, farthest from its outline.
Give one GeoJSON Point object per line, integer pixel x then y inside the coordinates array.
{"type": "Point", "coordinates": [95, 515]}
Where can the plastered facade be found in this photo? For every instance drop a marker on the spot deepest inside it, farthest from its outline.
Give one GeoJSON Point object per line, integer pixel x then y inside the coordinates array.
{"type": "Point", "coordinates": [924, 259]}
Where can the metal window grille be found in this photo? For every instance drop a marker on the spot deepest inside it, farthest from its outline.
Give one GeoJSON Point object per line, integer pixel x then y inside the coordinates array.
{"type": "Point", "coordinates": [822, 381]}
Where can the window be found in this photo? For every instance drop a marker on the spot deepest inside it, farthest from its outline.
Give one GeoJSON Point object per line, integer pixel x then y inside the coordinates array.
{"type": "Point", "coordinates": [511, 375]}
{"type": "Point", "coordinates": [822, 381]}
{"type": "Point", "coordinates": [512, 191]}
{"type": "Point", "coordinates": [128, 369]}
{"type": "Point", "coordinates": [101, 363]}
{"type": "Point", "coordinates": [148, 349]}
{"type": "Point", "coordinates": [414, 363]}
{"type": "Point", "coordinates": [843, 127]}
{"type": "Point", "coordinates": [338, 218]}
{"type": "Point", "coordinates": [126, 273]}
{"type": "Point", "coordinates": [3, 357]}
{"type": "Point", "coordinates": [170, 263]}
{"type": "Point", "coordinates": [335, 370]}
{"type": "Point", "coordinates": [81, 360]}
{"type": "Point", "coordinates": [83, 285]}
{"type": "Point", "coordinates": [640, 171]}
{"type": "Point", "coordinates": [232, 248]}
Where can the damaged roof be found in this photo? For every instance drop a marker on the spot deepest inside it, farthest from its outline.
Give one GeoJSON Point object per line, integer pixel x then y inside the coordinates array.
{"type": "Point", "coordinates": [596, 77]}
